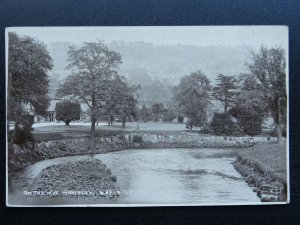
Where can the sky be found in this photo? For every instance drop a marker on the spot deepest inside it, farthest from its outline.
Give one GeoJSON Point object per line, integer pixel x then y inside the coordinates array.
{"type": "Point", "coordinates": [253, 36]}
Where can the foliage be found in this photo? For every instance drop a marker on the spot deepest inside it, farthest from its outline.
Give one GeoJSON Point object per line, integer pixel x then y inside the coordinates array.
{"type": "Point", "coordinates": [157, 110]}
{"type": "Point", "coordinates": [137, 139]}
{"type": "Point", "coordinates": [251, 124]}
{"type": "Point", "coordinates": [249, 110]}
{"type": "Point", "coordinates": [22, 135]}
{"type": "Point", "coordinates": [28, 65]}
{"type": "Point", "coordinates": [145, 114]}
{"type": "Point", "coordinates": [93, 68]}
{"type": "Point", "coordinates": [222, 124]}
{"type": "Point", "coordinates": [180, 119]}
{"type": "Point", "coordinates": [169, 115]}
{"type": "Point", "coordinates": [225, 90]}
{"type": "Point", "coordinates": [67, 111]}
{"type": "Point", "coordinates": [192, 98]}
{"type": "Point", "coordinates": [267, 67]}
{"type": "Point", "coordinates": [121, 102]}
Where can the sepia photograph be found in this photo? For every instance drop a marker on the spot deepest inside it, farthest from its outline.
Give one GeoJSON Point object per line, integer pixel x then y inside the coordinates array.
{"type": "Point", "coordinates": [147, 116]}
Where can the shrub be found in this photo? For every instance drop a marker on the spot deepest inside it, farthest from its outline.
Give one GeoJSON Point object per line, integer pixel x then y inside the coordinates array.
{"type": "Point", "coordinates": [250, 124]}
{"type": "Point", "coordinates": [137, 139]}
{"type": "Point", "coordinates": [206, 129]}
{"type": "Point", "coordinates": [180, 119]}
{"type": "Point", "coordinates": [222, 124]}
{"type": "Point", "coordinates": [168, 116]}
{"type": "Point", "coordinates": [22, 130]}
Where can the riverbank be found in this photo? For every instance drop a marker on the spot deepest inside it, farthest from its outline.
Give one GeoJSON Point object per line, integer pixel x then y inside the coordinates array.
{"type": "Point", "coordinates": [21, 157]}
{"type": "Point", "coordinates": [87, 178]}
{"type": "Point", "coordinates": [264, 168]}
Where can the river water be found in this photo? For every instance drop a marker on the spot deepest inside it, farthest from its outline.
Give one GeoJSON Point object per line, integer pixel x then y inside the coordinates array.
{"type": "Point", "coordinates": [152, 176]}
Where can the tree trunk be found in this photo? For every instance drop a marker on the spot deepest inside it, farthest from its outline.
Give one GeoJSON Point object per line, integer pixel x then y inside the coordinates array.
{"type": "Point", "coordinates": [93, 129]}
{"type": "Point", "coordinates": [67, 122]}
{"type": "Point", "coordinates": [111, 118]}
{"type": "Point", "coordinates": [276, 118]}
{"type": "Point", "coordinates": [279, 133]}
{"type": "Point", "coordinates": [123, 123]}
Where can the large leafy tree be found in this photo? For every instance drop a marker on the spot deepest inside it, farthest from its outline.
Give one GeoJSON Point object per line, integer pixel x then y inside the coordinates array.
{"type": "Point", "coordinates": [225, 90]}
{"type": "Point", "coordinates": [121, 102]}
{"type": "Point", "coordinates": [268, 70]}
{"type": "Point", "coordinates": [28, 65]}
{"type": "Point", "coordinates": [192, 97]}
{"type": "Point", "coordinates": [93, 68]}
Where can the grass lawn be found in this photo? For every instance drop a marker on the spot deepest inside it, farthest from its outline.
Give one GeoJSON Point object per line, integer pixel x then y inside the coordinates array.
{"type": "Point", "coordinates": [154, 126]}
{"type": "Point", "coordinates": [55, 131]}
{"type": "Point", "coordinates": [270, 157]}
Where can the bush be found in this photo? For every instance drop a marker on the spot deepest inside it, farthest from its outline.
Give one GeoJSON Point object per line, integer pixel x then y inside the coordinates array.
{"type": "Point", "coordinates": [168, 116]}
{"type": "Point", "coordinates": [180, 119]}
{"type": "Point", "coordinates": [222, 124]}
{"type": "Point", "coordinates": [273, 133]}
{"type": "Point", "coordinates": [137, 139]}
{"type": "Point", "coordinates": [250, 124]}
{"type": "Point", "coordinates": [206, 129]}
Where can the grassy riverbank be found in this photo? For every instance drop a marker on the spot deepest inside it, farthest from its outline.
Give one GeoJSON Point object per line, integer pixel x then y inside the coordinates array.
{"type": "Point", "coordinates": [264, 168]}
{"type": "Point", "coordinates": [268, 157]}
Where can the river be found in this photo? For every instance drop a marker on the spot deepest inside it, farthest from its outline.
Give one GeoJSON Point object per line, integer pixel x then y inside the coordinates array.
{"type": "Point", "coordinates": [152, 176]}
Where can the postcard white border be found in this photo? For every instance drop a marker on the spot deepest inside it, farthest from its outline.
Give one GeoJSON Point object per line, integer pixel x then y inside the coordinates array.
{"type": "Point", "coordinates": [50, 28]}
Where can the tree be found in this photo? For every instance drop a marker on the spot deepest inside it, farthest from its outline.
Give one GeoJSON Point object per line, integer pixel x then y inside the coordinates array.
{"type": "Point", "coordinates": [192, 98]}
{"type": "Point", "coordinates": [93, 68]}
{"type": "Point", "coordinates": [145, 113]}
{"type": "Point", "coordinates": [169, 115]}
{"type": "Point", "coordinates": [28, 81]}
{"type": "Point", "coordinates": [67, 111]}
{"type": "Point", "coordinates": [249, 109]}
{"type": "Point", "coordinates": [157, 110]}
{"type": "Point", "coordinates": [121, 102]}
{"type": "Point", "coordinates": [224, 90]}
{"type": "Point", "coordinates": [127, 109]}
{"type": "Point", "coordinates": [267, 67]}
{"type": "Point", "coordinates": [28, 65]}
